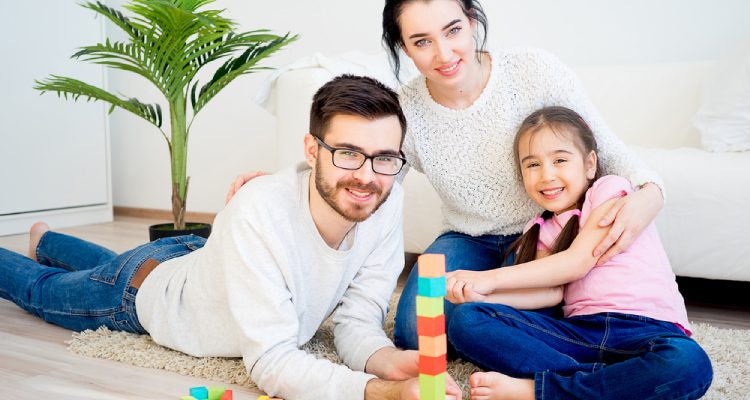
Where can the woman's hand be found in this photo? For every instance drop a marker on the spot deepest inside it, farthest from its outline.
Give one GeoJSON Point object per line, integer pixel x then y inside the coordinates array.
{"type": "Point", "coordinates": [464, 286]}
{"type": "Point", "coordinates": [629, 216]}
{"type": "Point", "coordinates": [241, 180]}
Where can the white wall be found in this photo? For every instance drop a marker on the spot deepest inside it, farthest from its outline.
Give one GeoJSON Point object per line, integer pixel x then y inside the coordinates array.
{"type": "Point", "coordinates": [232, 134]}
{"type": "Point", "coordinates": [596, 32]}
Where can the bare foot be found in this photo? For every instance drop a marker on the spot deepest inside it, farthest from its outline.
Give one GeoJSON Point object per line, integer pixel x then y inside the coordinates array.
{"type": "Point", "coordinates": [35, 234]}
{"type": "Point", "coordinates": [496, 386]}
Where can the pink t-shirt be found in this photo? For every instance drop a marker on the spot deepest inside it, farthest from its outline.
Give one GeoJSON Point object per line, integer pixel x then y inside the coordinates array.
{"type": "Point", "coordinates": [637, 281]}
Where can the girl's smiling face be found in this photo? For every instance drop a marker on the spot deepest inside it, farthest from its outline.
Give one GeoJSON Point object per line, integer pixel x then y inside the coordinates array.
{"type": "Point", "coordinates": [555, 172]}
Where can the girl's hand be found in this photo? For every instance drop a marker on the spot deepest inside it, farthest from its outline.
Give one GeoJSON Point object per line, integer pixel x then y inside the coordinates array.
{"type": "Point", "coordinates": [241, 180]}
{"type": "Point", "coordinates": [464, 293]}
{"type": "Point", "coordinates": [629, 216]}
{"type": "Point", "coordinates": [467, 286]}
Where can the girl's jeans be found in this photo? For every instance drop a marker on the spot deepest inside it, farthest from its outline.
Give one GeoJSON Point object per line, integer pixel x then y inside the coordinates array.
{"type": "Point", "coordinates": [79, 285]}
{"type": "Point", "coordinates": [477, 253]}
{"type": "Point", "coordinates": [599, 356]}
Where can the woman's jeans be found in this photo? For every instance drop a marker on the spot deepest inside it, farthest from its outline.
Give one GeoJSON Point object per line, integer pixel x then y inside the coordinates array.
{"type": "Point", "coordinates": [79, 285]}
{"type": "Point", "coordinates": [599, 356]}
{"type": "Point", "coordinates": [476, 253]}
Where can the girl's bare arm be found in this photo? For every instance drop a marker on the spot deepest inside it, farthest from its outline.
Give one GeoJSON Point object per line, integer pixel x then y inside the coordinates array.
{"type": "Point", "coordinates": [555, 270]}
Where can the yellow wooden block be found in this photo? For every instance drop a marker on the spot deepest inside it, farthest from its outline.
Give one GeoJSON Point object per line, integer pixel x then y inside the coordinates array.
{"type": "Point", "coordinates": [433, 346]}
{"type": "Point", "coordinates": [432, 387]}
{"type": "Point", "coordinates": [430, 306]}
{"type": "Point", "coordinates": [431, 265]}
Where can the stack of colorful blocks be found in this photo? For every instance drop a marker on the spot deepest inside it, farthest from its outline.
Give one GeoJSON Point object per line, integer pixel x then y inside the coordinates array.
{"type": "Point", "coordinates": [431, 326]}
{"type": "Point", "coordinates": [210, 393]}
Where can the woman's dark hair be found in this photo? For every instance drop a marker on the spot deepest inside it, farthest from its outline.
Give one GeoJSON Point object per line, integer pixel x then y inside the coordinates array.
{"type": "Point", "coordinates": [562, 121]}
{"type": "Point", "coordinates": [353, 95]}
{"type": "Point", "coordinates": [392, 30]}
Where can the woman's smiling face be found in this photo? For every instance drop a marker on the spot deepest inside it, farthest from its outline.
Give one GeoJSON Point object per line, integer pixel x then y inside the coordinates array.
{"type": "Point", "coordinates": [438, 37]}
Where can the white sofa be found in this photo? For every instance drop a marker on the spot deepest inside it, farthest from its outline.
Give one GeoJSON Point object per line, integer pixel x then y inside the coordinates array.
{"type": "Point", "coordinates": [704, 224]}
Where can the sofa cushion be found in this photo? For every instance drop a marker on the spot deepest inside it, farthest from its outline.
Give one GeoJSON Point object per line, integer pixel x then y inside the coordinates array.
{"type": "Point", "coordinates": [723, 117]}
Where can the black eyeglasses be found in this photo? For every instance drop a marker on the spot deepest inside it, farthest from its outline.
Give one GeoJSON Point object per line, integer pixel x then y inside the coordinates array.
{"type": "Point", "coordinates": [382, 164]}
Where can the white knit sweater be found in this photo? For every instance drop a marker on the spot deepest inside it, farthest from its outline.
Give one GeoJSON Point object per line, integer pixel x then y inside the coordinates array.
{"type": "Point", "coordinates": [467, 154]}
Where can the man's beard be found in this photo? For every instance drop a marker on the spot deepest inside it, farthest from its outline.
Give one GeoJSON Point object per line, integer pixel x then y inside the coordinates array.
{"type": "Point", "coordinates": [355, 214]}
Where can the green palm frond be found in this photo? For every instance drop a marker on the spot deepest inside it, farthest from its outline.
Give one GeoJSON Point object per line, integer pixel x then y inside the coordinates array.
{"type": "Point", "coordinates": [75, 89]}
{"type": "Point", "coordinates": [168, 14]}
{"type": "Point", "coordinates": [234, 67]}
{"type": "Point", "coordinates": [123, 56]}
{"type": "Point", "coordinates": [217, 46]}
{"type": "Point", "coordinates": [136, 32]}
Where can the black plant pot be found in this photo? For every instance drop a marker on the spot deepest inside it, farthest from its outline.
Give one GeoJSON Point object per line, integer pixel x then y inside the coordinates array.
{"type": "Point", "coordinates": [167, 230]}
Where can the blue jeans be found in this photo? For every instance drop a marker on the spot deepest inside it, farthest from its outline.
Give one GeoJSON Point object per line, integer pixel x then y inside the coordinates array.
{"type": "Point", "coordinates": [599, 356]}
{"type": "Point", "coordinates": [79, 285]}
{"type": "Point", "coordinates": [461, 251]}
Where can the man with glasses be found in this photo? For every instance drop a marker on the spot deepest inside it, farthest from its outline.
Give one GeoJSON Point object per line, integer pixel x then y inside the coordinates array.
{"type": "Point", "coordinates": [324, 237]}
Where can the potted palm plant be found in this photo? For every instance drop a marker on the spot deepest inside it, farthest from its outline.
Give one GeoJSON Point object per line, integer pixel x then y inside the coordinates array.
{"type": "Point", "coordinates": [168, 42]}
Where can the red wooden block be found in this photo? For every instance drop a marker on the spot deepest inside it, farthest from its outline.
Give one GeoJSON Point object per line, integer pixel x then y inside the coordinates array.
{"type": "Point", "coordinates": [227, 395]}
{"type": "Point", "coordinates": [431, 326]}
{"type": "Point", "coordinates": [432, 365]}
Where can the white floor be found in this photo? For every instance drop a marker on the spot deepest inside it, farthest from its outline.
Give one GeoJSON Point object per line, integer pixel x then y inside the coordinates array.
{"type": "Point", "coordinates": [35, 362]}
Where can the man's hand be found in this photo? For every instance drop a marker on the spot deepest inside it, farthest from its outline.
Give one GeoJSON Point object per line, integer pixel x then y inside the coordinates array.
{"type": "Point", "coordinates": [393, 364]}
{"type": "Point", "coordinates": [241, 180]}
{"type": "Point", "coordinates": [398, 370]}
{"type": "Point", "coordinates": [464, 286]}
{"type": "Point", "coordinates": [628, 217]}
{"type": "Point", "coordinates": [378, 389]}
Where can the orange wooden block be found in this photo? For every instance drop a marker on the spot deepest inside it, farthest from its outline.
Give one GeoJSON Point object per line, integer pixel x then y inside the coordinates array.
{"type": "Point", "coordinates": [432, 346]}
{"type": "Point", "coordinates": [431, 265]}
{"type": "Point", "coordinates": [432, 365]}
{"type": "Point", "coordinates": [431, 326]}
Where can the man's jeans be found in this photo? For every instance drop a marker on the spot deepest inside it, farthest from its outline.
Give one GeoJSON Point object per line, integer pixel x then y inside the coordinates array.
{"type": "Point", "coordinates": [79, 285]}
{"type": "Point", "coordinates": [599, 356]}
{"type": "Point", "coordinates": [461, 252]}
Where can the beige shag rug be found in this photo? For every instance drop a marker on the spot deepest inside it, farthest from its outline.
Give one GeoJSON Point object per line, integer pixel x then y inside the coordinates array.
{"type": "Point", "coordinates": [728, 349]}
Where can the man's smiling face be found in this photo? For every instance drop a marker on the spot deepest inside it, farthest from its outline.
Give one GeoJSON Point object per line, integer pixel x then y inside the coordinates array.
{"type": "Point", "coordinates": [356, 194]}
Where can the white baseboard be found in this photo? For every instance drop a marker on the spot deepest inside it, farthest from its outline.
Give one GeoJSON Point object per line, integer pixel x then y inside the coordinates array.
{"type": "Point", "coordinates": [20, 223]}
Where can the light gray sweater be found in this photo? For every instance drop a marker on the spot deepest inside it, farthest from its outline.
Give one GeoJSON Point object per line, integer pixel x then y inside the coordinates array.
{"type": "Point", "coordinates": [266, 280]}
{"type": "Point", "coordinates": [467, 154]}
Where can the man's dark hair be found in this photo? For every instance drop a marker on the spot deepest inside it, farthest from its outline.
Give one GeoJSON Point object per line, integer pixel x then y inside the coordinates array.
{"type": "Point", "coordinates": [353, 95]}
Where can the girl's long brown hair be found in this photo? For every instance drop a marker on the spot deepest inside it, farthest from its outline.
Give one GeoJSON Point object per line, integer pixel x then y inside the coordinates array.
{"type": "Point", "coordinates": [562, 121]}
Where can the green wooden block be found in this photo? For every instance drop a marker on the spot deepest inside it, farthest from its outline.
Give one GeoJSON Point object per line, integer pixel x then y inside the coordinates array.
{"type": "Point", "coordinates": [215, 392]}
{"type": "Point", "coordinates": [188, 398]}
{"type": "Point", "coordinates": [431, 287]}
{"type": "Point", "coordinates": [429, 306]}
{"type": "Point", "coordinates": [432, 387]}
